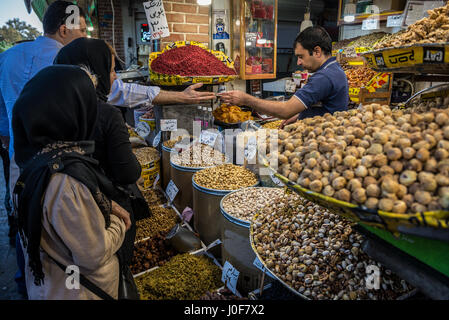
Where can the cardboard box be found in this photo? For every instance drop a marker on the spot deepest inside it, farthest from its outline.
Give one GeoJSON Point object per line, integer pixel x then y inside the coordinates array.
{"type": "Point", "coordinates": [390, 5]}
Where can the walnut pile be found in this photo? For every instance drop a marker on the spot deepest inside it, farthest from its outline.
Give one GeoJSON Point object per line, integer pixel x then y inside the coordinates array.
{"type": "Point", "coordinates": [433, 29]}
{"type": "Point", "coordinates": [374, 157]}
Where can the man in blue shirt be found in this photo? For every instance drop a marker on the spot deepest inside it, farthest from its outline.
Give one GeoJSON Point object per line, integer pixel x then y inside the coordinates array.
{"type": "Point", "coordinates": [325, 92]}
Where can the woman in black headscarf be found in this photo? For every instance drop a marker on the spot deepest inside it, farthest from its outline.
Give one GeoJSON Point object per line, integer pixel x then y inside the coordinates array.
{"type": "Point", "coordinates": [112, 147]}
{"type": "Point", "coordinates": [63, 197]}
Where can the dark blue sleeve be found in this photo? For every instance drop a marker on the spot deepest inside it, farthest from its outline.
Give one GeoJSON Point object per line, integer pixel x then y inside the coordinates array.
{"type": "Point", "coordinates": [317, 88]}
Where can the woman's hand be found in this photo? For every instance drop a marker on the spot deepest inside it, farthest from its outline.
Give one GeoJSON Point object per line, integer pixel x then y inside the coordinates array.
{"type": "Point", "coordinates": [118, 211]}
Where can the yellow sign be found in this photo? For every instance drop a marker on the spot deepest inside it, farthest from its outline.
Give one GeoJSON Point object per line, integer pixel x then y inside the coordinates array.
{"type": "Point", "coordinates": [354, 91]}
{"type": "Point", "coordinates": [362, 49]}
{"type": "Point", "coordinates": [355, 63]}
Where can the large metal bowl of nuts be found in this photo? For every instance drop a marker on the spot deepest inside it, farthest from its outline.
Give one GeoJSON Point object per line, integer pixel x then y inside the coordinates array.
{"type": "Point", "coordinates": [317, 254]}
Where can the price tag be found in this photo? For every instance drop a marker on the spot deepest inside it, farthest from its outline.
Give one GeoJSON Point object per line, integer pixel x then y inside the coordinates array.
{"type": "Point", "coordinates": [354, 91]}
{"type": "Point", "coordinates": [169, 124]}
{"type": "Point", "coordinates": [276, 180]}
{"type": "Point", "coordinates": [171, 191]}
{"type": "Point", "coordinates": [251, 148]}
{"type": "Point", "coordinates": [230, 276]}
{"type": "Point", "coordinates": [361, 49]}
{"type": "Point", "coordinates": [157, 139]}
{"type": "Point", "coordinates": [370, 24]}
{"type": "Point", "coordinates": [261, 267]}
{"type": "Point", "coordinates": [157, 21]}
{"type": "Point", "coordinates": [394, 21]}
{"type": "Point", "coordinates": [143, 129]}
{"type": "Point", "coordinates": [156, 181]}
{"type": "Point", "coordinates": [208, 138]}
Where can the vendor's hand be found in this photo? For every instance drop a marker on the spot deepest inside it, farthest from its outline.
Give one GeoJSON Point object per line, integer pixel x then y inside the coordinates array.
{"type": "Point", "coordinates": [118, 211]}
{"type": "Point", "coordinates": [191, 96]}
{"type": "Point", "coordinates": [288, 121]}
{"type": "Point", "coordinates": [234, 97]}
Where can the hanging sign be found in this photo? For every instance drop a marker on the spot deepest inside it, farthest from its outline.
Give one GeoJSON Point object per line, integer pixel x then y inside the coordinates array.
{"type": "Point", "coordinates": [157, 21]}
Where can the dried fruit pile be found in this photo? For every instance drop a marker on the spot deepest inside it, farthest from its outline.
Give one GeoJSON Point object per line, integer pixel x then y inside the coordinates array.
{"type": "Point", "coordinates": [184, 277]}
{"type": "Point", "coordinates": [151, 253]}
{"type": "Point", "coordinates": [433, 29]}
{"type": "Point", "coordinates": [190, 61]}
{"type": "Point", "coordinates": [317, 253]}
{"type": "Point", "coordinates": [359, 77]}
{"type": "Point", "coordinates": [231, 114]}
{"type": "Point", "coordinates": [375, 157]}
{"type": "Point", "coordinates": [154, 197]}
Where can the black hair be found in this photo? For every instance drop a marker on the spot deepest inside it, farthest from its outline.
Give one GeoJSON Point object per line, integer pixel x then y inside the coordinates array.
{"type": "Point", "coordinates": [313, 37]}
{"type": "Point", "coordinates": [55, 16]}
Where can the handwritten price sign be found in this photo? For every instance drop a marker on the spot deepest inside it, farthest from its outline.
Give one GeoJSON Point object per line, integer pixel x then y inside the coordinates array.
{"type": "Point", "coordinates": [157, 20]}
{"type": "Point", "coordinates": [230, 276]}
{"type": "Point", "coordinates": [169, 125]}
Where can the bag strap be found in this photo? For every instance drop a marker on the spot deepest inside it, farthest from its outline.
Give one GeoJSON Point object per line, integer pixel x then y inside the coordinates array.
{"type": "Point", "coordinates": [86, 283]}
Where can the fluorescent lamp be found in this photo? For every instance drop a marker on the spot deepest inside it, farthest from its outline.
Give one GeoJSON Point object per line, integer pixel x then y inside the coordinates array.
{"type": "Point", "coordinates": [204, 2]}
{"type": "Point", "coordinates": [90, 28]}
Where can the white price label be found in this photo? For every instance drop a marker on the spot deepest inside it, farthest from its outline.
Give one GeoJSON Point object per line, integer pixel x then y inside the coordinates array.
{"type": "Point", "coordinates": [156, 180]}
{"type": "Point", "coordinates": [143, 129]}
{"type": "Point", "coordinates": [208, 138]}
{"type": "Point", "coordinates": [230, 276]}
{"type": "Point", "coordinates": [394, 21]}
{"type": "Point", "coordinates": [169, 125]}
{"type": "Point", "coordinates": [251, 148]}
{"type": "Point", "coordinates": [261, 267]}
{"type": "Point", "coordinates": [276, 180]}
{"type": "Point", "coordinates": [157, 139]}
{"type": "Point", "coordinates": [370, 24]}
{"type": "Point", "coordinates": [171, 191]}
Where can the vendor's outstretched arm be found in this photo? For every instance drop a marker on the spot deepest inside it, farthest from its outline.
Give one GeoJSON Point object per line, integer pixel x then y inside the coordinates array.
{"type": "Point", "coordinates": [131, 94]}
{"type": "Point", "coordinates": [280, 109]}
{"type": "Point", "coordinates": [188, 96]}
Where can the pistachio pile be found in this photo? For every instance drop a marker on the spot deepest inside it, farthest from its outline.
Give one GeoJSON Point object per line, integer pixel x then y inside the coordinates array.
{"type": "Point", "coordinates": [154, 197]}
{"type": "Point", "coordinates": [184, 277]}
{"type": "Point", "coordinates": [367, 41]}
{"type": "Point", "coordinates": [171, 143]}
{"type": "Point", "coordinates": [198, 156]}
{"type": "Point", "coordinates": [245, 203]}
{"type": "Point", "coordinates": [225, 177]}
{"type": "Point", "coordinates": [318, 254]}
{"type": "Point", "coordinates": [151, 253]}
{"type": "Point", "coordinates": [146, 155]}
{"type": "Point", "coordinates": [375, 157]}
{"type": "Point", "coordinates": [161, 221]}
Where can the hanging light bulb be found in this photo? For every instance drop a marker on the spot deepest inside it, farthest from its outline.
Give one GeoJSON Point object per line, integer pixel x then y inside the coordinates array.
{"type": "Point", "coordinates": [204, 2]}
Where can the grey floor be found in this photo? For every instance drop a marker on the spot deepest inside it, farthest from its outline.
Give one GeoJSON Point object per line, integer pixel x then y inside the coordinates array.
{"type": "Point", "coordinates": [8, 266]}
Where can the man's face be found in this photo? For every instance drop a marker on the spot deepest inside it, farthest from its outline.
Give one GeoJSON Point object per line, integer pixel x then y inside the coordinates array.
{"type": "Point", "coordinates": [73, 34]}
{"type": "Point", "coordinates": [305, 59]}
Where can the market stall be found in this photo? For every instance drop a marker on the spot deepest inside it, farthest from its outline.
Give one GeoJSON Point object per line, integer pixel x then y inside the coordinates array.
{"type": "Point", "coordinates": [354, 205]}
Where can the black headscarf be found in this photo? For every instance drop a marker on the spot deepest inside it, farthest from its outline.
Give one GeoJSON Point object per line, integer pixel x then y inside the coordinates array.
{"type": "Point", "coordinates": [54, 121]}
{"type": "Point", "coordinates": [94, 54]}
